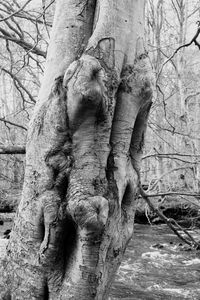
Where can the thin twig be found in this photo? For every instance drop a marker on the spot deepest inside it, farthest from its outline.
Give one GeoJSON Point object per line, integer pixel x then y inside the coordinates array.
{"type": "Point", "coordinates": [16, 12]}
{"type": "Point", "coordinates": [45, 8]}
{"type": "Point", "coordinates": [170, 154]}
{"type": "Point", "coordinates": [168, 172]}
{"type": "Point", "coordinates": [44, 17]}
{"type": "Point", "coordinates": [173, 193]}
{"type": "Point", "coordinates": [193, 40]}
{"type": "Point", "coordinates": [15, 78]}
{"type": "Point", "coordinates": [14, 124]}
{"type": "Point", "coordinates": [25, 45]}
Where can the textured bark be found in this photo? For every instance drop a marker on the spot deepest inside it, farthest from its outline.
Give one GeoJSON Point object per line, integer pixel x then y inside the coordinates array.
{"type": "Point", "coordinates": [83, 154]}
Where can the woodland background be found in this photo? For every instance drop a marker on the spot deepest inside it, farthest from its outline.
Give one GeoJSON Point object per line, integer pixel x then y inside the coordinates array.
{"type": "Point", "coordinates": [172, 151]}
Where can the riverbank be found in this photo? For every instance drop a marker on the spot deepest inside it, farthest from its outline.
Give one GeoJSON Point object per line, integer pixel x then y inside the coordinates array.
{"type": "Point", "coordinates": [185, 210]}
{"type": "Point", "coordinates": [156, 266]}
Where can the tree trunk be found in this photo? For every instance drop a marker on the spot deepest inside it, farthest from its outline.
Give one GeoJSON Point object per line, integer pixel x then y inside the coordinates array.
{"type": "Point", "coordinates": [83, 154]}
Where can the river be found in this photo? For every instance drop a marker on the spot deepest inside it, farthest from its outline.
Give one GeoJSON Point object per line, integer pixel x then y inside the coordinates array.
{"type": "Point", "coordinates": [156, 266]}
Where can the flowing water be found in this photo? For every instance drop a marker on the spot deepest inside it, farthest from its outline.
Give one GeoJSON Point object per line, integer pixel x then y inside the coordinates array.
{"type": "Point", "coordinates": [156, 266]}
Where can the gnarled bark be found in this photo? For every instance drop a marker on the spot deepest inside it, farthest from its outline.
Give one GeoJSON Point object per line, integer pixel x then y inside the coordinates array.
{"type": "Point", "coordinates": [83, 154]}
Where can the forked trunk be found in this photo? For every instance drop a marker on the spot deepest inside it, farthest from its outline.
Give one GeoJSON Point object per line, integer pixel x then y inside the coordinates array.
{"type": "Point", "coordinates": [83, 154]}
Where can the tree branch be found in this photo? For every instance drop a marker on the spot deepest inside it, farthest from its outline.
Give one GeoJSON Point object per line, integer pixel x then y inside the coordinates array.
{"type": "Point", "coordinates": [193, 40]}
{"type": "Point", "coordinates": [175, 132]}
{"type": "Point", "coordinates": [173, 193]}
{"type": "Point", "coordinates": [16, 12]}
{"type": "Point", "coordinates": [15, 78]}
{"type": "Point", "coordinates": [12, 150]}
{"type": "Point", "coordinates": [14, 124]}
{"type": "Point", "coordinates": [25, 45]}
{"type": "Point", "coordinates": [171, 223]}
{"type": "Point", "coordinates": [169, 156]}
{"type": "Point", "coordinates": [166, 173]}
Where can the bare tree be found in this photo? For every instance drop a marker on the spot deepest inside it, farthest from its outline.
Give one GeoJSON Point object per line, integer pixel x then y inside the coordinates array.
{"type": "Point", "coordinates": [173, 126]}
{"type": "Point", "coordinates": [24, 40]}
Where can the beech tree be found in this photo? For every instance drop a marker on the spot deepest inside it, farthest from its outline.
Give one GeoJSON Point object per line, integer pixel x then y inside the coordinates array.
{"type": "Point", "coordinates": [83, 154]}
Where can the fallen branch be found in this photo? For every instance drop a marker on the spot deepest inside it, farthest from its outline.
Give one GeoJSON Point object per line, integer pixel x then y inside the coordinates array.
{"type": "Point", "coordinates": [12, 150]}
{"type": "Point", "coordinates": [173, 193]}
{"type": "Point", "coordinates": [166, 155]}
{"type": "Point", "coordinates": [171, 223]}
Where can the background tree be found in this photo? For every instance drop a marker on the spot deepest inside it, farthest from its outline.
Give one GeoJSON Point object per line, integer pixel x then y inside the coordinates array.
{"type": "Point", "coordinates": [173, 123]}
{"type": "Point", "coordinates": [24, 40]}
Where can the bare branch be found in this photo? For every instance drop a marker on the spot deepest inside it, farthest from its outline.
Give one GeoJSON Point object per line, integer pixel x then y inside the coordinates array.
{"type": "Point", "coordinates": [31, 18]}
{"type": "Point", "coordinates": [193, 40]}
{"type": "Point", "coordinates": [173, 194]}
{"type": "Point", "coordinates": [171, 223]}
{"type": "Point", "coordinates": [170, 154]}
{"type": "Point", "coordinates": [173, 157]}
{"type": "Point", "coordinates": [12, 150]}
{"type": "Point", "coordinates": [25, 45]}
{"type": "Point", "coordinates": [175, 132]}
{"type": "Point", "coordinates": [15, 78]}
{"type": "Point", "coordinates": [43, 14]}
{"type": "Point", "coordinates": [16, 12]}
{"type": "Point", "coordinates": [14, 124]}
{"type": "Point", "coordinates": [166, 173]}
